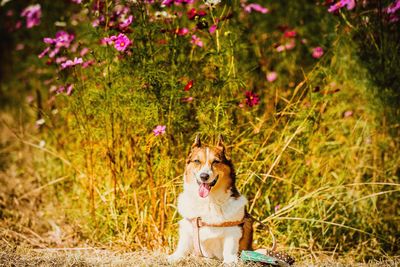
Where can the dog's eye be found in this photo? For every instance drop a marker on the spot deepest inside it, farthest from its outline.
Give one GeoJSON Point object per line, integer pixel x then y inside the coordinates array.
{"type": "Point", "coordinates": [216, 161]}
{"type": "Point", "coordinates": [196, 161]}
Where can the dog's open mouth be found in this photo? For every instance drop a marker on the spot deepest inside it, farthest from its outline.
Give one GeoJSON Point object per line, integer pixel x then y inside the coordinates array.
{"type": "Point", "coordinates": [205, 188]}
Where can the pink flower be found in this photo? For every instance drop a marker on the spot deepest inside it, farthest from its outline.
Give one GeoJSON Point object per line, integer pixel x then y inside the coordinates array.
{"type": "Point", "coordinates": [256, 7]}
{"type": "Point", "coordinates": [62, 39]}
{"type": "Point", "coordinates": [70, 63]}
{"type": "Point", "coordinates": [87, 63]}
{"type": "Point", "coordinates": [193, 13]}
{"type": "Point", "coordinates": [60, 89]}
{"type": "Point", "coordinates": [348, 113]}
{"type": "Point", "coordinates": [188, 86]}
{"type": "Point", "coordinates": [272, 76]}
{"type": "Point", "coordinates": [196, 41]}
{"type": "Point", "coordinates": [122, 42]}
{"type": "Point", "coordinates": [48, 40]}
{"type": "Point", "coordinates": [126, 22]}
{"type": "Point", "coordinates": [32, 13]}
{"type": "Point", "coordinates": [290, 34]}
{"type": "Point", "coordinates": [187, 99]}
{"type": "Point", "coordinates": [350, 4]}
{"type": "Point", "coordinates": [391, 9]}
{"type": "Point", "coordinates": [290, 45]}
{"type": "Point", "coordinates": [280, 48]}
{"type": "Point", "coordinates": [54, 52]}
{"type": "Point", "coordinates": [76, 1]}
{"type": "Point", "coordinates": [69, 89]}
{"type": "Point", "coordinates": [109, 40]}
{"type": "Point", "coordinates": [182, 31]}
{"type": "Point", "coordinates": [317, 52]}
{"type": "Point", "coordinates": [184, 1]}
{"type": "Point", "coordinates": [159, 130]}
{"type": "Point", "coordinates": [45, 51]}
{"type": "Point", "coordinates": [96, 23]}
{"type": "Point", "coordinates": [252, 99]}
{"type": "Point", "coordinates": [84, 51]}
{"type": "Point", "coordinates": [287, 46]}
{"type": "Point", "coordinates": [60, 60]}
{"type": "Point", "coordinates": [212, 29]}
{"type": "Point", "coordinates": [167, 2]}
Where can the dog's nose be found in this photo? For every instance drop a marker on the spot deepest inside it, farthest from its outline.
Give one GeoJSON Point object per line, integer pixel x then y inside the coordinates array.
{"type": "Point", "coordinates": [204, 176]}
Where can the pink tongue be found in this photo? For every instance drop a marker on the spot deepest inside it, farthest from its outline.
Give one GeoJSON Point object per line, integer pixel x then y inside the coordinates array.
{"type": "Point", "coordinates": [204, 190]}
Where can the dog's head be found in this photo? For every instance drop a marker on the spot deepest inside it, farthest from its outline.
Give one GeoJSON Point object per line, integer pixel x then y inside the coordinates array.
{"type": "Point", "coordinates": [208, 169]}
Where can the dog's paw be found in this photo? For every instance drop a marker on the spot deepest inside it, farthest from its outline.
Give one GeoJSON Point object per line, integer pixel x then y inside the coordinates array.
{"type": "Point", "coordinates": [174, 257]}
{"type": "Point", "coordinates": [230, 260]}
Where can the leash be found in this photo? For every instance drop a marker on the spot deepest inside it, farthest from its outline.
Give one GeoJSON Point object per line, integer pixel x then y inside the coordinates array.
{"type": "Point", "coordinates": [273, 248]}
{"type": "Point", "coordinates": [196, 236]}
{"type": "Point", "coordinates": [271, 256]}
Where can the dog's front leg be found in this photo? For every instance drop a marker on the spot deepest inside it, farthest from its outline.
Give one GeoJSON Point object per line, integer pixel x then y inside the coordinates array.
{"type": "Point", "coordinates": [231, 246]}
{"type": "Point", "coordinates": [185, 243]}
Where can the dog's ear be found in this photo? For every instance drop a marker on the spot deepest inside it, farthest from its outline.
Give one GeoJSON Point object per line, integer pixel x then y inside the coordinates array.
{"type": "Point", "coordinates": [197, 142]}
{"type": "Point", "coordinates": [220, 143]}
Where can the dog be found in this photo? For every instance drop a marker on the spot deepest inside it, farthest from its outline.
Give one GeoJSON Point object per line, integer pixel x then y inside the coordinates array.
{"type": "Point", "coordinates": [214, 223]}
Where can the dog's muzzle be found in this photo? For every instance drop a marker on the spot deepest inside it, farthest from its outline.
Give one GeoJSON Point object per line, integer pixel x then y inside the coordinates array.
{"type": "Point", "coordinates": [205, 188]}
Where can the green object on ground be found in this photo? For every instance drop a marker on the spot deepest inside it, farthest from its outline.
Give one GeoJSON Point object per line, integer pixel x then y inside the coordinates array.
{"type": "Point", "coordinates": [248, 255]}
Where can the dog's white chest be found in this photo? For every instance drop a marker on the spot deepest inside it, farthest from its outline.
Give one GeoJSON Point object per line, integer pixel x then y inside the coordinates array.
{"type": "Point", "coordinates": [210, 211]}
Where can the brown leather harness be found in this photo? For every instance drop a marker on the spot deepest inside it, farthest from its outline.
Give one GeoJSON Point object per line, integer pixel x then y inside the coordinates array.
{"type": "Point", "coordinates": [197, 223]}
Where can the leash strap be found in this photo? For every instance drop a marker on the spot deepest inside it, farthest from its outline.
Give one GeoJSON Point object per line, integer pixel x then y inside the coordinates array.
{"type": "Point", "coordinates": [273, 248]}
{"type": "Point", "coordinates": [196, 237]}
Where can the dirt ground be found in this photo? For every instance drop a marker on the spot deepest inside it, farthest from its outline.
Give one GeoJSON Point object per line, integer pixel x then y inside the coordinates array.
{"type": "Point", "coordinates": [22, 256]}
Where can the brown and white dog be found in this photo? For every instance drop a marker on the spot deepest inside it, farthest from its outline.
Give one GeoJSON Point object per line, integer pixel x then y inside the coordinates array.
{"type": "Point", "coordinates": [211, 195]}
